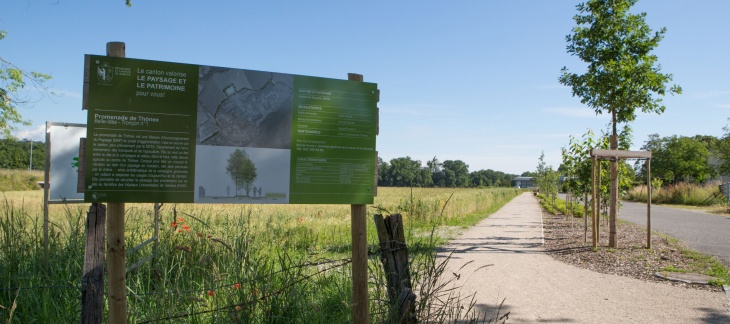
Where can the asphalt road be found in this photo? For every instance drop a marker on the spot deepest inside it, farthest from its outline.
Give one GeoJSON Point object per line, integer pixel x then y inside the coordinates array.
{"type": "Point", "coordinates": [704, 232]}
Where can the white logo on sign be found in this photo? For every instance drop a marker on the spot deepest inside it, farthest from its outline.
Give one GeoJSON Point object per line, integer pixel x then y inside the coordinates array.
{"type": "Point", "coordinates": [104, 72]}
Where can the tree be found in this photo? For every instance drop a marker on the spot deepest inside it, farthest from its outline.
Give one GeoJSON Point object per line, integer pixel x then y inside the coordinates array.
{"type": "Point", "coordinates": [490, 178]}
{"type": "Point", "coordinates": [578, 165]}
{"type": "Point", "coordinates": [12, 81]}
{"type": "Point", "coordinates": [242, 170]}
{"type": "Point", "coordinates": [15, 154]}
{"type": "Point", "coordinates": [546, 178]}
{"type": "Point", "coordinates": [680, 158]}
{"type": "Point", "coordinates": [723, 151]}
{"type": "Point", "coordinates": [383, 173]}
{"type": "Point", "coordinates": [622, 75]}
{"type": "Point", "coordinates": [404, 172]}
{"type": "Point", "coordinates": [456, 173]}
{"type": "Point", "coordinates": [437, 175]}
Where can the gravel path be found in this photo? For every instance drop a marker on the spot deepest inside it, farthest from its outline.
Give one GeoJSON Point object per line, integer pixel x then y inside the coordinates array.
{"type": "Point", "coordinates": [537, 288]}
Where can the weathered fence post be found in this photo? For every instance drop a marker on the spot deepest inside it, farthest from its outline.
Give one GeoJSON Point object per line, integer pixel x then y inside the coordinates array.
{"type": "Point", "coordinates": [394, 256]}
{"type": "Point", "coordinates": [92, 282]}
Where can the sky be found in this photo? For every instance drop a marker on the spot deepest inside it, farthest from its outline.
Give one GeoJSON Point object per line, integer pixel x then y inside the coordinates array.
{"type": "Point", "coordinates": [475, 81]}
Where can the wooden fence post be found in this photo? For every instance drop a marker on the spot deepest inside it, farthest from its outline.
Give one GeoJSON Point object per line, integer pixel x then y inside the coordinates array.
{"type": "Point", "coordinates": [594, 203]}
{"type": "Point", "coordinates": [117, 292]}
{"type": "Point", "coordinates": [92, 282]}
{"type": "Point", "coordinates": [648, 203]}
{"type": "Point", "coordinates": [394, 256]}
{"type": "Point", "coordinates": [360, 302]}
{"type": "Point", "coordinates": [360, 307]}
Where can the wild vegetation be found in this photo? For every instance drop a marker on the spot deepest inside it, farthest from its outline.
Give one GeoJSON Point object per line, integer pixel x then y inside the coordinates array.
{"type": "Point", "coordinates": [228, 263]}
{"type": "Point", "coordinates": [20, 180]}
{"type": "Point", "coordinates": [682, 193]}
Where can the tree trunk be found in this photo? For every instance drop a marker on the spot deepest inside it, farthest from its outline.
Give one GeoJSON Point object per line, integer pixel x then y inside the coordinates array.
{"type": "Point", "coordinates": [613, 198]}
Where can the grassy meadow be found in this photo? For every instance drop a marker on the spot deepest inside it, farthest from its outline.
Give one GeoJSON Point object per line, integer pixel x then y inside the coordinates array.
{"type": "Point", "coordinates": [234, 263]}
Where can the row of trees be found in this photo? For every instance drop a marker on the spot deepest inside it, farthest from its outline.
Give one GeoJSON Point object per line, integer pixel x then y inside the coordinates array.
{"type": "Point", "coordinates": [15, 154]}
{"type": "Point", "coordinates": [406, 172]}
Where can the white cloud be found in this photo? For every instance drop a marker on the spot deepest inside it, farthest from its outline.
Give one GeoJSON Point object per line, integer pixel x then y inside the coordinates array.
{"type": "Point", "coordinates": [38, 133]}
{"type": "Point", "coordinates": [721, 106]}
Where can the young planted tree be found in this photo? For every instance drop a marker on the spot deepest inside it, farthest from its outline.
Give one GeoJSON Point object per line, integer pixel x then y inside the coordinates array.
{"type": "Point", "coordinates": [622, 74]}
{"type": "Point", "coordinates": [547, 179]}
{"type": "Point", "coordinates": [242, 170]}
{"type": "Point", "coordinates": [578, 165]}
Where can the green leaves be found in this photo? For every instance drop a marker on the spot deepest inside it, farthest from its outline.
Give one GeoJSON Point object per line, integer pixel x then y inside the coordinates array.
{"type": "Point", "coordinates": [12, 81]}
{"type": "Point", "coordinates": [622, 75]}
{"type": "Point", "coordinates": [680, 158]}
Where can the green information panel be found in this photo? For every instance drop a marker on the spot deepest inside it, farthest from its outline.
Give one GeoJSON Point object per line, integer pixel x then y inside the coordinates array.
{"type": "Point", "coordinates": [170, 132]}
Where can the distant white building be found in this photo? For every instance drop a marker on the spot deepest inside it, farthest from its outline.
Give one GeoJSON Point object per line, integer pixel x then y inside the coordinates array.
{"type": "Point", "coordinates": [523, 182]}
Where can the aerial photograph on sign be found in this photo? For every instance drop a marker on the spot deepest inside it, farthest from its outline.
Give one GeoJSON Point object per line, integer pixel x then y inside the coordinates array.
{"type": "Point", "coordinates": [244, 108]}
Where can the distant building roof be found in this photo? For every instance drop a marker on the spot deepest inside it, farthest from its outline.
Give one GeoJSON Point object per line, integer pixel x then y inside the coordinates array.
{"type": "Point", "coordinates": [523, 179]}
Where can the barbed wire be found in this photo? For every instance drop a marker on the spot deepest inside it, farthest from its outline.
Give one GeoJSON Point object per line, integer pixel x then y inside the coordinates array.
{"type": "Point", "coordinates": [262, 297]}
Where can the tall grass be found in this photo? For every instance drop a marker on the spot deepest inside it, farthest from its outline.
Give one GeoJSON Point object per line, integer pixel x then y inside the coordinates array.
{"type": "Point", "coordinates": [680, 194]}
{"type": "Point", "coordinates": [19, 180]}
{"type": "Point", "coordinates": [229, 263]}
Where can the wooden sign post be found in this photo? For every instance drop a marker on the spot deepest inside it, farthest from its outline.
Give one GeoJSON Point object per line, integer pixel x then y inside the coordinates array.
{"type": "Point", "coordinates": [360, 304]}
{"type": "Point", "coordinates": [117, 290]}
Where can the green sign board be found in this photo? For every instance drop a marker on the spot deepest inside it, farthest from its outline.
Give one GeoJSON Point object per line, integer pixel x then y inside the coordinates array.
{"type": "Point", "coordinates": [170, 132]}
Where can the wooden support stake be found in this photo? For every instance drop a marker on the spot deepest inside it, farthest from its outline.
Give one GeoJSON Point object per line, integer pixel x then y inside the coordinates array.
{"type": "Point", "coordinates": [648, 203]}
{"type": "Point", "coordinates": [117, 292]}
{"type": "Point", "coordinates": [599, 178]}
{"type": "Point", "coordinates": [594, 205]}
{"type": "Point", "coordinates": [360, 303]}
{"type": "Point", "coordinates": [585, 216]}
{"type": "Point", "coordinates": [92, 282]}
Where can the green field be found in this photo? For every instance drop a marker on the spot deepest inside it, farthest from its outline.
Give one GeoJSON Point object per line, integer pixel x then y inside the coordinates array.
{"type": "Point", "coordinates": [232, 263]}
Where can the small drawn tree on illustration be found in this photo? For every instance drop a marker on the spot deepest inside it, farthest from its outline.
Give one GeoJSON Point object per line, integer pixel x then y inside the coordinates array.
{"type": "Point", "coordinates": [242, 171]}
